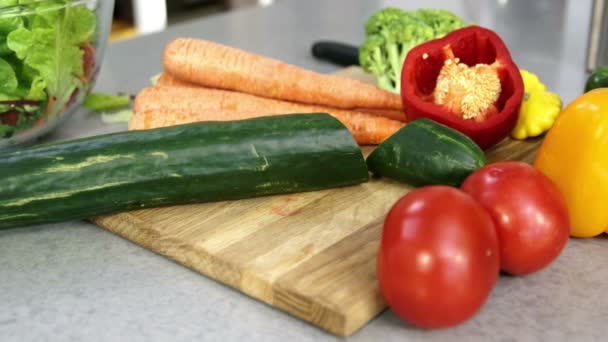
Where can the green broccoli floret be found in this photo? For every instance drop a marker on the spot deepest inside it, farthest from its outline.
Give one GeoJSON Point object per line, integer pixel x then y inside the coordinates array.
{"type": "Point", "coordinates": [391, 33]}
{"type": "Point", "coordinates": [441, 21]}
{"type": "Point", "coordinates": [379, 20]}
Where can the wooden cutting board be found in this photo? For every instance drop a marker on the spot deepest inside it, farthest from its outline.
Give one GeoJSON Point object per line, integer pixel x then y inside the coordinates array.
{"type": "Point", "coordinates": [311, 254]}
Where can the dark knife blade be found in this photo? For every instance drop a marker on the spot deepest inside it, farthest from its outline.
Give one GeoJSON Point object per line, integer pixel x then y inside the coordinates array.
{"type": "Point", "coordinates": [337, 53]}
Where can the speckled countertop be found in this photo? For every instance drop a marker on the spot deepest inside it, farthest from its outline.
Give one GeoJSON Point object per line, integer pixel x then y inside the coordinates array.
{"type": "Point", "coordinates": [76, 282]}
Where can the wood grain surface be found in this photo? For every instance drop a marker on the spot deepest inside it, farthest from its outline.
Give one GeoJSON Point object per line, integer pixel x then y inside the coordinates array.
{"type": "Point", "coordinates": [311, 254]}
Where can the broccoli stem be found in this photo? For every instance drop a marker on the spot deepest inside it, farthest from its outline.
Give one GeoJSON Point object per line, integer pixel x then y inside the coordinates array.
{"type": "Point", "coordinates": [384, 82]}
{"type": "Point", "coordinates": [378, 61]}
{"type": "Point", "coordinates": [396, 63]}
{"type": "Point", "coordinates": [385, 78]}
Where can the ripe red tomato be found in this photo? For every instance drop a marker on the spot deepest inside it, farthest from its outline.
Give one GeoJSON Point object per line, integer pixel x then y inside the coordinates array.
{"type": "Point", "coordinates": [438, 257]}
{"type": "Point", "coordinates": [528, 210]}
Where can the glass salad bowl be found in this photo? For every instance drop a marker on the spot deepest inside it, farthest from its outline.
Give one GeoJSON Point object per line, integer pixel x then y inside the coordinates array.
{"type": "Point", "coordinates": [50, 54]}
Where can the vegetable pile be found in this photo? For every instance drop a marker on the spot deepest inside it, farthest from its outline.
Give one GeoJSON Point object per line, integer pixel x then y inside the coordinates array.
{"type": "Point", "coordinates": [204, 81]}
{"type": "Point", "coordinates": [444, 243]}
{"type": "Point", "coordinates": [438, 264]}
{"type": "Point", "coordinates": [239, 125]}
{"type": "Point", "coordinates": [227, 129]}
{"type": "Point", "coordinates": [391, 33]}
{"type": "Point", "coordinates": [466, 80]}
{"type": "Point", "coordinates": [457, 74]}
{"type": "Point", "coordinates": [46, 59]}
{"type": "Point", "coordinates": [442, 247]}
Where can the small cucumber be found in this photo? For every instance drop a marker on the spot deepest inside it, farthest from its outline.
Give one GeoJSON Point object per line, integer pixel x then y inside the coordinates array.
{"type": "Point", "coordinates": [425, 152]}
{"type": "Point", "coordinates": [597, 79]}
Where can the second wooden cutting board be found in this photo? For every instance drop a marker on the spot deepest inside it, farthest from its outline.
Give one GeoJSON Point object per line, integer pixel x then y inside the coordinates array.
{"type": "Point", "coordinates": [311, 255]}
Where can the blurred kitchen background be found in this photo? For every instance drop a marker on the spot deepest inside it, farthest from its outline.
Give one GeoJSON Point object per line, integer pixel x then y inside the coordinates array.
{"type": "Point", "coordinates": [138, 17]}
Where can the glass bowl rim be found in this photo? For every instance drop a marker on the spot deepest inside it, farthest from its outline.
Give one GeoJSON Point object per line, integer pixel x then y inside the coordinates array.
{"type": "Point", "coordinates": [27, 9]}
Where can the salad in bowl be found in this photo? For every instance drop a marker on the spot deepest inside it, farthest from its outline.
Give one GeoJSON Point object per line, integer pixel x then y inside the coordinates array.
{"type": "Point", "coordinates": [50, 52]}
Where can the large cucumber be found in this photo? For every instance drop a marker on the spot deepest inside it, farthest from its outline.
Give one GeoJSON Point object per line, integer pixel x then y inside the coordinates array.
{"type": "Point", "coordinates": [190, 163]}
{"type": "Point", "coordinates": [425, 152]}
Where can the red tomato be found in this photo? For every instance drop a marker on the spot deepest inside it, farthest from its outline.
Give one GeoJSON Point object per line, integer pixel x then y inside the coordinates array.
{"type": "Point", "coordinates": [88, 59]}
{"type": "Point", "coordinates": [528, 210]}
{"type": "Point", "coordinates": [10, 117]}
{"type": "Point", "coordinates": [438, 257]}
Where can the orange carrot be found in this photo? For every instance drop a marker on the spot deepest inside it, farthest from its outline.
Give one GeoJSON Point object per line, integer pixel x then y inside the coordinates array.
{"type": "Point", "coordinates": [180, 105]}
{"type": "Point", "coordinates": [169, 81]}
{"type": "Point", "coordinates": [153, 118]}
{"type": "Point", "coordinates": [367, 130]}
{"type": "Point", "coordinates": [218, 66]}
{"type": "Point", "coordinates": [398, 115]}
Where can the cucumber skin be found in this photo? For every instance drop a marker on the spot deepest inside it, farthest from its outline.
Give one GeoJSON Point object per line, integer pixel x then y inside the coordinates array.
{"type": "Point", "coordinates": [425, 152]}
{"type": "Point", "coordinates": [192, 163]}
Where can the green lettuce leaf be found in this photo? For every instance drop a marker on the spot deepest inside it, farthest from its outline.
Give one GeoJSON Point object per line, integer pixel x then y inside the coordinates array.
{"type": "Point", "coordinates": [76, 23]}
{"type": "Point", "coordinates": [16, 83]}
{"type": "Point", "coordinates": [8, 78]}
{"type": "Point", "coordinates": [57, 63]}
{"type": "Point", "coordinates": [6, 131]}
{"type": "Point", "coordinates": [101, 102]}
{"type": "Point", "coordinates": [80, 27]}
{"type": "Point", "coordinates": [49, 46]}
{"type": "Point", "coordinates": [123, 115]}
{"type": "Point", "coordinates": [36, 89]}
{"type": "Point", "coordinates": [7, 3]}
{"type": "Point", "coordinates": [8, 25]}
{"type": "Point", "coordinates": [41, 59]}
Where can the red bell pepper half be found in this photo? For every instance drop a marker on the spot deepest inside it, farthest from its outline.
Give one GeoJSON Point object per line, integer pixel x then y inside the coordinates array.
{"type": "Point", "coordinates": [466, 80]}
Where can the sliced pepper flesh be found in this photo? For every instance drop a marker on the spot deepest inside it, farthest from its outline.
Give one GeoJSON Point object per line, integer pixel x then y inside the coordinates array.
{"type": "Point", "coordinates": [539, 108]}
{"type": "Point", "coordinates": [574, 155]}
{"type": "Point", "coordinates": [469, 92]}
{"type": "Point", "coordinates": [469, 61]}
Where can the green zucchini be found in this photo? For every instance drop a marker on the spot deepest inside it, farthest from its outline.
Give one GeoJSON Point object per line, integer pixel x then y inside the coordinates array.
{"type": "Point", "coordinates": [199, 162]}
{"type": "Point", "coordinates": [425, 152]}
{"type": "Point", "coordinates": [597, 79]}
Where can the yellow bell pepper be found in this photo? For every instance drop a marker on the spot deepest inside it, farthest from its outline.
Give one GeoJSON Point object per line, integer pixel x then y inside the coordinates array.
{"type": "Point", "coordinates": [574, 154]}
{"type": "Point", "coordinates": [538, 110]}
